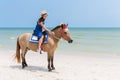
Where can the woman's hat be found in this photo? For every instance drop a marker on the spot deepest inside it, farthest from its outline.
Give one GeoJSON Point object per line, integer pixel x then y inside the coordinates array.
{"type": "Point", "coordinates": [43, 13]}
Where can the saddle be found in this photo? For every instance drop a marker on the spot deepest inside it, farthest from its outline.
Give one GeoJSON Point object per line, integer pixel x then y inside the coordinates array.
{"type": "Point", "coordinates": [35, 39]}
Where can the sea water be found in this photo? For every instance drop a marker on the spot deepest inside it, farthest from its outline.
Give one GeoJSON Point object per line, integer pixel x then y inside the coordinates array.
{"type": "Point", "coordinates": [85, 40]}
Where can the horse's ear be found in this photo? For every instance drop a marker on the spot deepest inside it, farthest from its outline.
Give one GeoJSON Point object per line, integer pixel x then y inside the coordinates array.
{"type": "Point", "coordinates": [61, 25]}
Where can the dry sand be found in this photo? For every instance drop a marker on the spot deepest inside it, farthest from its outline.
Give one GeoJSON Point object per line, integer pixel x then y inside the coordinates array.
{"type": "Point", "coordinates": [68, 67]}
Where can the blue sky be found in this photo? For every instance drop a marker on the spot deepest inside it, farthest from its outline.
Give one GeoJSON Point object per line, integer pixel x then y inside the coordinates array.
{"type": "Point", "coordinates": [77, 13]}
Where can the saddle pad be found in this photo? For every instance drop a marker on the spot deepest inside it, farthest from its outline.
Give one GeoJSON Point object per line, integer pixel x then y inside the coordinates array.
{"type": "Point", "coordinates": [34, 39]}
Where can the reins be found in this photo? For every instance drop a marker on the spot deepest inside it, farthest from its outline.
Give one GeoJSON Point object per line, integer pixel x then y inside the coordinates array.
{"type": "Point", "coordinates": [56, 37]}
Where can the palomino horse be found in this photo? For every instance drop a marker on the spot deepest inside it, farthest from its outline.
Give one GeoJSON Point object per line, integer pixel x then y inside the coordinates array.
{"type": "Point", "coordinates": [24, 44]}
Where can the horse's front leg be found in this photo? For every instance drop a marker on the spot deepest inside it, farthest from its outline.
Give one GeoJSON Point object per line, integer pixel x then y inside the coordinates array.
{"type": "Point", "coordinates": [49, 67]}
{"type": "Point", "coordinates": [52, 64]}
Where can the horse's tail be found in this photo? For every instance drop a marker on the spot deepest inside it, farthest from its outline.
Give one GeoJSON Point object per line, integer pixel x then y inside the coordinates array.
{"type": "Point", "coordinates": [18, 51]}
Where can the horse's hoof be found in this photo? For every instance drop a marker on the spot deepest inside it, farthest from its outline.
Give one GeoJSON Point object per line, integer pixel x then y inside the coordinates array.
{"type": "Point", "coordinates": [23, 67]}
{"type": "Point", "coordinates": [26, 65]}
{"type": "Point", "coordinates": [53, 68]}
{"type": "Point", "coordinates": [50, 70]}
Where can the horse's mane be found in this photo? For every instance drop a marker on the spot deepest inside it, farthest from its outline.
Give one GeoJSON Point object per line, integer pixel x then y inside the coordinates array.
{"type": "Point", "coordinates": [56, 28]}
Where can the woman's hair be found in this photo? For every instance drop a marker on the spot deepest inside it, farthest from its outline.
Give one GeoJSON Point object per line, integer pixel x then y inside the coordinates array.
{"type": "Point", "coordinates": [41, 19]}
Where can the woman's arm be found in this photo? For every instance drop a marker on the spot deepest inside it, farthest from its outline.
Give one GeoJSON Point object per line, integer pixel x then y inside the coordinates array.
{"type": "Point", "coordinates": [43, 26]}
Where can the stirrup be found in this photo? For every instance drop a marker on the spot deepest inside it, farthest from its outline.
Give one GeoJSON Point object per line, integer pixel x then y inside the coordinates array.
{"type": "Point", "coordinates": [40, 51]}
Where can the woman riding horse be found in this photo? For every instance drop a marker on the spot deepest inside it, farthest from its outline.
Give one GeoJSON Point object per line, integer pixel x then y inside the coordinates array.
{"type": "Point", "coordinates": [23, 43]}
{"type": "Point", "coordinates": [39, 29]}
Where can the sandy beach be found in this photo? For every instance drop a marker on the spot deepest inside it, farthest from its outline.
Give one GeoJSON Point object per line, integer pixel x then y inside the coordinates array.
{"type": "Point", "coordinates": [91, 26]}
{"type": "Point", "coordinates": [68, 67]}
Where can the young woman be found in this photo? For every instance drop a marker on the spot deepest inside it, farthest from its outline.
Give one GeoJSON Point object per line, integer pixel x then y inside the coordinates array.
{"type": "Point", "coordinates": [39, 28]}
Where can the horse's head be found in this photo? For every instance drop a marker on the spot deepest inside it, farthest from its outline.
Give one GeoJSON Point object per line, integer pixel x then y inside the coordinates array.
{"type": "Point", "coordinates": [65, 33]}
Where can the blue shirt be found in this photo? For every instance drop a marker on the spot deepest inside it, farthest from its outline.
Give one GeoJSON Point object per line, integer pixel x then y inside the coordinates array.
{"type": "Point", "coordinates": [38, 29]}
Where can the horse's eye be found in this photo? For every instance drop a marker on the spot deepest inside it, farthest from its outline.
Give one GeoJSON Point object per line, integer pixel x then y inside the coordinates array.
{"type": "Point", "coordinates": [65, 32]}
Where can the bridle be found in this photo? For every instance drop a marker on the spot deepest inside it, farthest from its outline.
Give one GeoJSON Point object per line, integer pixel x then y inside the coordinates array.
{"type": "Point", "coordinates": [63, 28]}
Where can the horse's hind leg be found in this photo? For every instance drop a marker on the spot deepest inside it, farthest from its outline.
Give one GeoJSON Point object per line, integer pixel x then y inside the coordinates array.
{"type": "Point", "coordinates": [24, 64]}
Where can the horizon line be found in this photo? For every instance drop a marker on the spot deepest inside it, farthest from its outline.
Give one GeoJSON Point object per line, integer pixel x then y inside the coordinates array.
{"type": "Point", "coordinates": [52, 27]}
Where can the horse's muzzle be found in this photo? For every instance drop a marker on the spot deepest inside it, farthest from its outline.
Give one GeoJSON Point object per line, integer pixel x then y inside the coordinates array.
{"type": "Point", "coordinates": [70, 41]}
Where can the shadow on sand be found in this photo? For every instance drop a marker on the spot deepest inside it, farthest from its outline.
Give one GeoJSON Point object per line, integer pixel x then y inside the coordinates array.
{"type": "Point", "coordinates": [30, 68]}
{"type": "Point", "coordinates": [33, 68]}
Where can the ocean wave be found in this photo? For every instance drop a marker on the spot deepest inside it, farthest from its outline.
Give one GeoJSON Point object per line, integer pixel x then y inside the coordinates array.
{"type": "Point", "coordinates": [12, 38]}
{"type": "Point", "coordinates": [0, 45]}
{"type": "Point", "coordinates": [12, 51]}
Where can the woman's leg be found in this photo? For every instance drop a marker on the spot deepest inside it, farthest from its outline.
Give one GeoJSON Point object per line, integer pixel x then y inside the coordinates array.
{"type": "Point", "coordinates": [40, 42]}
